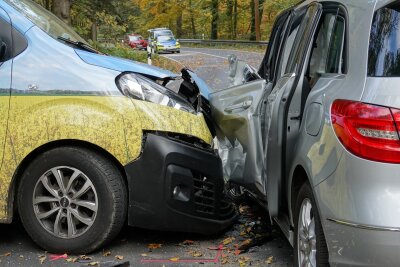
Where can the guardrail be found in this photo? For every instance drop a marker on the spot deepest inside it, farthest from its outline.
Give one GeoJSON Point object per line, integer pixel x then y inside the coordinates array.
{"type": "Point", "coordinates": [230, 42]}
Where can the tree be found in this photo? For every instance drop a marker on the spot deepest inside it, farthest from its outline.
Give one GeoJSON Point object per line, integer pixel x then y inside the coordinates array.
{"type": "Point", "coordinates": [214, 19]}
{"type": "Point", "coordinates": [62, 9]}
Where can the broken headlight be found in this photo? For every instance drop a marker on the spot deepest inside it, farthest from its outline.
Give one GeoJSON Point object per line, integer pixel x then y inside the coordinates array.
{"type": "Point", "coordinates": [142, 88]}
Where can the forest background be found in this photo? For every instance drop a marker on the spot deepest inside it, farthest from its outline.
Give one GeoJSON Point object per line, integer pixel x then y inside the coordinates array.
{"type": "Point", "coordinates": [195, 19]}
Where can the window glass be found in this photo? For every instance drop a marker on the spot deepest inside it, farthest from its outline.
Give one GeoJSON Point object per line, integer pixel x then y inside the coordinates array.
{"type": "Point", "coordinates": [45, 20]}
{"type": "Point", "coordinates": [327, 54]}
{"type": "Point", "coordinates": [336, 55]}
{"type": "Point", "coordinates": [5, 40]}
{"type": "Point", "coordinates": [301, 40]}
{"type": "Point", "coordinates": [384, 45]}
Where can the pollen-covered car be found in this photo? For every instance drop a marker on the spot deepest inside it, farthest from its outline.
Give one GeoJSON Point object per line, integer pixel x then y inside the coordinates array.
{"type": "Point", "coordinates": [90, 141]}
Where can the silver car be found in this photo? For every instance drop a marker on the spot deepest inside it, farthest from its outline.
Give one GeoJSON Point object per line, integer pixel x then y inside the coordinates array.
{"type": "Point", "coordinates": [314, 134]}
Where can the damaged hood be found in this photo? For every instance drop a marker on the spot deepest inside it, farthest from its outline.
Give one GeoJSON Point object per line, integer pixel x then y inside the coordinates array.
{"type": "Point", "coordinates": [124, 65]}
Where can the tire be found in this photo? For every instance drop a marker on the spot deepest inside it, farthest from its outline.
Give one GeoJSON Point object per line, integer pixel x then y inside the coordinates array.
{"type": "Point", "coordinates": [306, 202]}
{"type": "Point", "coordinates": [104, 200]}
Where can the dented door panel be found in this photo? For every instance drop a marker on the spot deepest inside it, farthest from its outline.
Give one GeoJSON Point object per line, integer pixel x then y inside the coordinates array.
{"type": "Point", "coordinates": [237, 112]}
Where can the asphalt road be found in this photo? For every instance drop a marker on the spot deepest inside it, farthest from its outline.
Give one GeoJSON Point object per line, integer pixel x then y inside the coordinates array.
{"type": "Point", "coordinates": [212, 64]}
{"type": "Point", "coordinates": [268, 246]}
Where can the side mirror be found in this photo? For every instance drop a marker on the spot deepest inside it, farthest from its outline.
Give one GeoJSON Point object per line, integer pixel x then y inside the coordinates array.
{"type": "Point", "coordinates": [3, 50]}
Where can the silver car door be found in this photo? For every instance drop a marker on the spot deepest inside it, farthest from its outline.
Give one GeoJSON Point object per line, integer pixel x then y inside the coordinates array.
{"type": "Point", "coordinates": [239, 113]}
{"type": "Point", "coordinates": [304, 23]}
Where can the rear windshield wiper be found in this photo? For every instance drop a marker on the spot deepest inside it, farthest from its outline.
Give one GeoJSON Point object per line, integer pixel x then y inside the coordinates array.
{"type": "Point", "coordinates": [80, 45]}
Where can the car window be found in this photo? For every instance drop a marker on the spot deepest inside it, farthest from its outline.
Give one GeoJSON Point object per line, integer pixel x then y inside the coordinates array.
{"type": "Point", "coordinates": [384, 45]}
{"type": "Point", "coordinates": [301, 39]}
{"type": "Point", "coordinates": [5, 40]}
{"type": "Point", "coordinates": [327, 53]}
{"type": "Point", "coordinates": [268, 66]}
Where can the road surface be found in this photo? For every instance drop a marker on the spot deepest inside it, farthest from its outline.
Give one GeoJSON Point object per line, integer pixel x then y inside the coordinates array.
{"type": "Point", "coordinates": [212, 64]}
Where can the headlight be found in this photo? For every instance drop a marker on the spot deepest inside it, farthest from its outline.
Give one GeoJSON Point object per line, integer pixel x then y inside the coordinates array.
{"type": "Point", "coordinates": [142, 88]}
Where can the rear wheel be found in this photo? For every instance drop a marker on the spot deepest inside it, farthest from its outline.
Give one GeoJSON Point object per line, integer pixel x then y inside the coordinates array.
{"type": "Point", "coordinates": [310, 244]}
{"type": "Point", "coordinates": [72, 200]}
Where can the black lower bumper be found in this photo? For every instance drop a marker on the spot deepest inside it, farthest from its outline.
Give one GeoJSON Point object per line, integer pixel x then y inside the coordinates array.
{"type": "Point", "coordinates": [177, 187]}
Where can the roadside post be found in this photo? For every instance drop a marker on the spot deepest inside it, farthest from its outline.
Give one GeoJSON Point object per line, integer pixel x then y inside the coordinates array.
{"type": "Point", "coordinates": [149, 52]}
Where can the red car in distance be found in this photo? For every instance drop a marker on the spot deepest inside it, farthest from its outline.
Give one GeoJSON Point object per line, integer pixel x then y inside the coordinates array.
{"type": "Point", "coordinates": [136, 41]}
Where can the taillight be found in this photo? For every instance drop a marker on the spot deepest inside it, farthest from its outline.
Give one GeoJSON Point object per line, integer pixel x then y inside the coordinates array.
{"type": "Point", "coordinates": [368, 131]}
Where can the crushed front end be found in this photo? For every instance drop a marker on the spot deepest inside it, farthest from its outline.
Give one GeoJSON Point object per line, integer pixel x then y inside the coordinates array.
{"type": "Point", "coordinates": [177, 183]}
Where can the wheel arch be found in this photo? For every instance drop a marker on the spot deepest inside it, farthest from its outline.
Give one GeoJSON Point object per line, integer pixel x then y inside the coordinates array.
{"type": "Point", "coordinates": [11, 203]}
{"type": "Point", "coordinates": [298, 178]}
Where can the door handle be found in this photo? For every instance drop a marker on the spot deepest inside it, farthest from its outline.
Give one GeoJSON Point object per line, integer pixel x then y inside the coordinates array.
{"type": "Point", "coordinates": [244, 105]}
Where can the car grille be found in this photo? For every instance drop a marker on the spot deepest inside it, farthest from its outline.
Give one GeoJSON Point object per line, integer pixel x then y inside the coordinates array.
{"type": "Point", "coordinates": [205, 198]}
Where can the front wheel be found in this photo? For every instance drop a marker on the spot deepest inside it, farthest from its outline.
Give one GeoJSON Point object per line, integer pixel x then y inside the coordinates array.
{"type": "Point", "coordinates": [310, 245]}
{"type": "Point", "coordinates": [72, 200]}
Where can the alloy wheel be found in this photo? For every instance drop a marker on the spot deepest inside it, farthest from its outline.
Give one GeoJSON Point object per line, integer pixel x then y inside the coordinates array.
{"type": "Point", "coordinates": [65, 202]}
{"type": "Point", "coordinates": [306, 237]}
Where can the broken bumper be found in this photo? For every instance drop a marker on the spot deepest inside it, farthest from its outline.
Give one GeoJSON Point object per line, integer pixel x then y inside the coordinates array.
{"type": "Point", "coordinates": [177, 187]}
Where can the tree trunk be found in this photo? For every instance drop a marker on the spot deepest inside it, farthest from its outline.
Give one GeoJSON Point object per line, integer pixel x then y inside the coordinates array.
{"type": "Point", "coordinates": [192, 19]}
{"type": "Point", "coordinates": [235, 18]}
{"type": "Point", "coordinates": [62, 9]}
{"type": "Point", "coordinates": [94, 32]}
{"type": "Point", "coordinates": [179, 21]}
{"type": "Point", "coordinates": [257, 20]}
{"type": "Point", "coordinates": [229, 15]}
{"type": "Point", "coordinates": [214, 19]}
{"type": "Point", "coordinates": [253, 22]}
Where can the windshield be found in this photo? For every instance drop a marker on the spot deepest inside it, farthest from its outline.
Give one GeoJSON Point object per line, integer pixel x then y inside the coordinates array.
{"type": "Point", "coordinates": [165, 38]}
{"type": "Point", "coordinates": [166, 33]}
{"type": "Point", "coordinates": [135, 38]}
{"type": "Point", "coordinates": [45, 20]}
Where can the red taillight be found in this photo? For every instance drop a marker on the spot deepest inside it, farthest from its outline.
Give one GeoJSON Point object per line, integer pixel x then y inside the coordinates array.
{"type": "Point", "coordinates": [368, 131]}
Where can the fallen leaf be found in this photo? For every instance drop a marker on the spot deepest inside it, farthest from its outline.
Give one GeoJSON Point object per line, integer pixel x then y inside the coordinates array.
{"type": "Point", "coordinates": [188, 242]}
{"type": "Point", "coordinates": [224, 261]}
{"type": "Point", "coordinates": [196, 254]}
{"type": "Point", "coordinates": [237, 252]}
{"type": "Point", "coordinates": [245, 243]}
{"type": "Point", "coordinates": [223, 255]}
{"type": "Point", "coordinates": [228, 240]}
{"type": "Point", "coordinates": [94, 263]}
{"type": "Point", "coordinates": [144, 255]}
{"type": "Point", "coordinates": [21, 256]}
{"type": "Point", "coordinates": [107, 253]}
{"type": "Point", "coordinates": [7, 254]}
{"type": "Point", "coordinates": [42, 258]}
{"type": "Point", "coordinates": [154, 246]}
{"type": "Point", "coordinates": [174, 259]}
{"type": "Point", "coordinates": [243, 233]}
{"type": "Point", "coordinates": [119, 257]}
{"type": "Point", "coordinates": [270, 260]}
{"type": "Point", "coordinates": [71, 260]}
{"type": "Point", "coordinates": [84, 257]}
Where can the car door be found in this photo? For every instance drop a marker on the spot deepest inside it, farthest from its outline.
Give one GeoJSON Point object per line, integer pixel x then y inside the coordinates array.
{"type": "Point", "coordinates": [282, 121]}
{"type": "Point", "coordinates": [6, 55]}
{"type": "Point", "coordinates": [239, 113]}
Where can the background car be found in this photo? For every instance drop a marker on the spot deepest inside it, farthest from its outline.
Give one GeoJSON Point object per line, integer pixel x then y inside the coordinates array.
{"type": "Point", "coordinates": [136, 41]}
{"type": "Point", "coordinates": [315, 139]}
{"type": "Point", "coordinates": [165, 43]}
